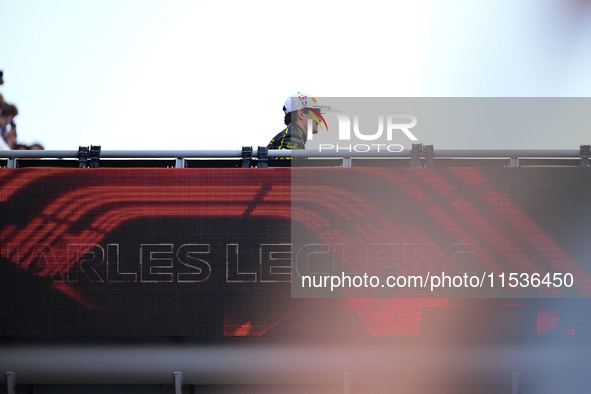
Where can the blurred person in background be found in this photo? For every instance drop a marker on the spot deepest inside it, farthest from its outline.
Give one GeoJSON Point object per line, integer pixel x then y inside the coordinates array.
{"type": "Point", "coordinates": [3, 144]}
{"type": "Point", "coordinates": [1, 83]}
{"type": "Point", "coordinates": [7, 125]}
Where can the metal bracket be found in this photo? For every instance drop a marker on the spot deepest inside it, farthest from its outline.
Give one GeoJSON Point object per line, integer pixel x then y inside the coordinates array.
{"type": "Point", "coordinates": [263, 157]}
{"type": "Point", "coordinates": [180, 162]}
{"type": "Point", "coordinates": [585, 154]}
{"type": "Point", "coordinates": [429, 156]}
{"type": "Point", "coordinates": [83, 156]}
{"type": "Point", "coordinates": [178, 382]}
{"type": "Point", "coordinates": [94, 156]}
{"type": "Point", "coordinates": [10, 382]}
{"type": "Point", "coordinates": [419, 151]}
{"type": "Point", "coordinates": [347, 162]}
{"type": "Point", "coordinates": [514, 162]}
{"type": "Point", "coordinates": [11, 162]}
{"type": "Point", "coordinates": [514, 382]}
{"type": "Point", "coordinates": [415, 155]}
{"type": "Point", "coordinates": [246, 156]}
{"type": "Point", "coordinates": [346, 382]}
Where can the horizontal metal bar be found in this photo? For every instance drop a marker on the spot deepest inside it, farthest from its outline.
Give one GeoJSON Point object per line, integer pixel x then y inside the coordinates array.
{"type": "Point", "coordinates": [207, 154]}
{"type": "Point", "coordinates": [275, 363]}
{"type": "Point", "coordinates": [124, 154]}
{"type": "Point", "coordinates": [38, 154]}
{"type": "Point", "coordinates": [504, 153]}
{"type": "Point", "coordinates": [173, 154]}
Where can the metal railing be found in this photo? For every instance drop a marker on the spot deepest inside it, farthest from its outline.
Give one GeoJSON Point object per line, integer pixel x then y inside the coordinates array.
{"type": "Point", "coordinates": [419, 156]}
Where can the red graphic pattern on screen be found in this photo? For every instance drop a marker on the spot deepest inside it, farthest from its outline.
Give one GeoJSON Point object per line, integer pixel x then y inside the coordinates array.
{"type": "Point", "coordinates": [108, 199]}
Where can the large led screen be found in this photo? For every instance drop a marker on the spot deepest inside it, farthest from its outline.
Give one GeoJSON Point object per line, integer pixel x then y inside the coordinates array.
{"type": "Point", "coordinates": [221, 252]}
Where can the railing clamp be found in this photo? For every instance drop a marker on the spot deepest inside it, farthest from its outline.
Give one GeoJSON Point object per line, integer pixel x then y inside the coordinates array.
{"type": "Point", "coordinates": [83, 152]}
{"type": "Point", "coordinates": [419, 151]}
{"type": "Point", "coordinates": [514, 162]}
{"type": "Point", "coordinates": [180, 162]}
{"type": "Point", "coordinates": [585, 154]}
{"type": "Point", "coordinates": [429, 156]}
{"type": "Point", "coordinates": [246, 156]}
{"type": "Point", "coordinates": [263, 157]}
{"type": "Point", "coordinates": [94, 156]}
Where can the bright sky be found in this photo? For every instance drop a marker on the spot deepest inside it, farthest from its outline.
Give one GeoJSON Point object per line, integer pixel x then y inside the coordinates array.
{"type": "Point", "coordinates": [153, 74]}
